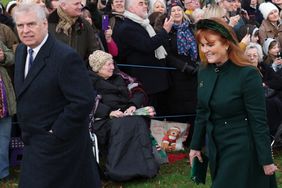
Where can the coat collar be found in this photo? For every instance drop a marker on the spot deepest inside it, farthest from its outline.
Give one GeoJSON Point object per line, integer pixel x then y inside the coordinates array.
{"type": "Point", "coordinates": [39, 63]}
{"type": "Point", "coordinates": [207, 82]}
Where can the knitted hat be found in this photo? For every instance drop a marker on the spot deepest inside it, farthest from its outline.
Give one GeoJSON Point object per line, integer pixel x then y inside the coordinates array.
{"type": "Point", "coordinates": [10, 6]}
{"type": "Point", "coordinates": [266, 45]}
{"type": "Point", "coordinates": [176, 3]}
{"type": "Point", "coordinates": [266, 8]}
{"type": "Point", "coordinates": [98, 59]}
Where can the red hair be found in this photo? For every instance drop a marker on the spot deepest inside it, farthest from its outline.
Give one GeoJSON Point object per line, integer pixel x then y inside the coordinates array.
{"type": "Point", "coordinates": [235, 53]}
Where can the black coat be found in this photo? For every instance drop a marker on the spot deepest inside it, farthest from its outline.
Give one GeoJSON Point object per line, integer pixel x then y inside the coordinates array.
{"type": "Point", "coordinates": [82, 38]}
{"type": "Point", "coordinates": [137, 48]}
{"type": "Point", "coordinates": [273, 80]}
{"type": "Point", "coordinates": [124, 142]}
{"type": "Point", "coordinates": [55, 95]}
{"type": "Point", "coordinates": [182, 94]}
{"type": "Point", "coordinates": [115, 96]}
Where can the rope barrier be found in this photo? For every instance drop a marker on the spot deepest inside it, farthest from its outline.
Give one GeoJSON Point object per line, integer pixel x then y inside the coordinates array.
{"type": "Point", "coordinates": [173, 116]}
{"type": "Point", "coordinates": [148, 67]}
{"type": "Point", "coordinates": [155, 117]}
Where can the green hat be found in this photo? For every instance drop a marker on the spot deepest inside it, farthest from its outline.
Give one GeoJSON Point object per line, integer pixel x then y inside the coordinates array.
{"type": "Point", "coordinates": [215, 26]}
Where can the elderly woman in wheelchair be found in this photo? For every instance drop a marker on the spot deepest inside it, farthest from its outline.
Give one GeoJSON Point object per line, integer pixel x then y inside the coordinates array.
{"type": "Point", "coordinates": [121, 122]}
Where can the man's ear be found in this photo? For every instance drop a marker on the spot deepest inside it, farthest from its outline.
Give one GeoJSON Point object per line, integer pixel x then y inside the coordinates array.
{"type": "Point", "coordinates": [130, 9]}
{"type": "Point", "coordinates": [63, 5]}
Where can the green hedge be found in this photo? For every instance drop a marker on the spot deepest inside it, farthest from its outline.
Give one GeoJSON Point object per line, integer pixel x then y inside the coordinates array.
{"type": "Point", "coordinates": [4, 2]}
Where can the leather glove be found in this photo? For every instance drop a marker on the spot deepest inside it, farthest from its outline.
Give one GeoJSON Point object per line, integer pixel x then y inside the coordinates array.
{"type": "Point", "coordinates": [189, 69]}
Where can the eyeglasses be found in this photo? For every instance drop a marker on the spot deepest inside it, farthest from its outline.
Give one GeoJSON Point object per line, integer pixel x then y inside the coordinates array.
{"type": "Point", "coordinates": [252, 55]}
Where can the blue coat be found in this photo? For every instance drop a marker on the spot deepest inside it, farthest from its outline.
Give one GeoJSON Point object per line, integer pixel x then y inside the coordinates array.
{"type": "Point", "coordinates": [231, 110]}
{"type": "Point", "coordinates": [55, 95]}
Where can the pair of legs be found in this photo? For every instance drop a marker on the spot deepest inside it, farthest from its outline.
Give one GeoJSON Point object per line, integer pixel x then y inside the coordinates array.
{"type": "Point", "coordinates": [5, 135]}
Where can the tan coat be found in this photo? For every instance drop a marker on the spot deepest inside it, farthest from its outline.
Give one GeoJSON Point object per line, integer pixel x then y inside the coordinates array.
{"type": "Point", "coordinates": [8, 61]}
{"type": "Point", "coordinates": [7, 36]}
{"type": "Point", "coordinates": [268, 30]}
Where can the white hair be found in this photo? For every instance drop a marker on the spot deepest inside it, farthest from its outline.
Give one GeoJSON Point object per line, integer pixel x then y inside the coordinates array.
{"type": "Point", "coordinates": [30, 7]}
{"type": "Point", "coordinates": [128, 3]}
{"type": "Point", "coordinates": [258, 48]}
{"type": "Point", "coordinates": [152, 4]}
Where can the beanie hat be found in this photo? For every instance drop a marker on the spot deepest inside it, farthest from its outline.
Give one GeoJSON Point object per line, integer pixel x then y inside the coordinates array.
{"type": "Point", "coordinates": [10, 6]}
{"type": "Point", "coordinates": [266, 8]}
{"type": "Point", "coordinates": [176, 3]}
{"type": "Point", "coordinates": [266, 45]}
{"type": "Point", "coordinates": [98, 59]}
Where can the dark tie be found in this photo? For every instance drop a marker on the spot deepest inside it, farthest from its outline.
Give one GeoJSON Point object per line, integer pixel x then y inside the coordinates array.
{"type": "Point", "coordinates": [30, 60]}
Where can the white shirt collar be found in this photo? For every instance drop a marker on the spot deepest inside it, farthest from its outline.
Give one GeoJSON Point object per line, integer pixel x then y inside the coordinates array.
{"type": "Point", "coordinates": [35, 52]}
{"type": "Point", "coordinates": [37, 48]}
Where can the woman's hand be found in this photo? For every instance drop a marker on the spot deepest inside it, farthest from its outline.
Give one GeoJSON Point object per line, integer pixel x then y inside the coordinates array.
{"type": "Point", "coordinates": [269, 169]}
{"type": "Point", "coordinates": [151, 111]}
{"type": "Point", "coordinates": [129, 111]}
{"type": "Point", "coordinates": [195, 153]}
{"type": "Point", "coordinates": [116, 114]}
{"type": "Point", "coordinates": [108, 34]}
{"type": "Point", "coordinates": [168, 24]}
{"type": "Point", "coordinates": [247, 39]}
{"type": "Point", "coordinates": [234, 20]}
{"type": "Point", "coordinates": [277, 61]}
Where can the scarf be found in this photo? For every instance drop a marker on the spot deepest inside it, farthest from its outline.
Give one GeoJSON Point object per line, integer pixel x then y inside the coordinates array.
{"type": "Point", "coordinates": [65, 22]}
{"type": "Point", "coordinates": [186, 43]}
{"type": "Point", "coordinates": [160, 52]}
{"type": "Point", "coordinates": [3, 100]}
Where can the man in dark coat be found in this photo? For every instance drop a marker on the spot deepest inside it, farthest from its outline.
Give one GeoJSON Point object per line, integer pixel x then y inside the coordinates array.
{"type": "Point", "coordinates": [67, 25]}
{"type": "Point", "coordinates": [54, 98]}
{"type": "Point", "coordinates": [140, 45]}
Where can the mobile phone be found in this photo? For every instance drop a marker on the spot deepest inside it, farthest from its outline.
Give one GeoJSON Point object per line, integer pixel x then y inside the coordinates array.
{"type": "Point", "coordinates": [104, 2]}
{"type": "Point", "coordinates": [248, 31]}
{"type": "Point", "coordinates": [105, 22]}
{"type": "Point", "coordinates": [168, 15]}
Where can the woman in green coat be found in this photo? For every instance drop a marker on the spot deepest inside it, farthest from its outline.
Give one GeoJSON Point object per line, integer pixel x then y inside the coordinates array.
{"type": "Point", "coordinates": [231, 112]}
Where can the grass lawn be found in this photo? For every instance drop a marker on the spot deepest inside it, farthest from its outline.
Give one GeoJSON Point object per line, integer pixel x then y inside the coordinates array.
{"type": "Point", "coordinates": [176, 175]}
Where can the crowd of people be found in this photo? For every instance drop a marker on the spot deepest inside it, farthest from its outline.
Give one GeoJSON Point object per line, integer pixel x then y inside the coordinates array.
{"type": "Point", "coordinates": [216, 65]}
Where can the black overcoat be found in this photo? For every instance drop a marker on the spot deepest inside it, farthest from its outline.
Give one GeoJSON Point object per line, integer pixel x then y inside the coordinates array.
{"type": "Point", "coordinates": [137, 48]}
{"type": "Point", "coordinates": [125, 141]}
{"type": "Point", "coordinates": [55, 95]}
{"type": "Point", "coordinates": [182, 93]}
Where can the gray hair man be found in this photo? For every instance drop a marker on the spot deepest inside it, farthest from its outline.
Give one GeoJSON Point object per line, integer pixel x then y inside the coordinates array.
{"type": "Point", "coordinates": [139, 45]}
{"type": "Point", "coordinates": [67, 25]}
{"type": "Point", "coordinates": [54, 97]}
